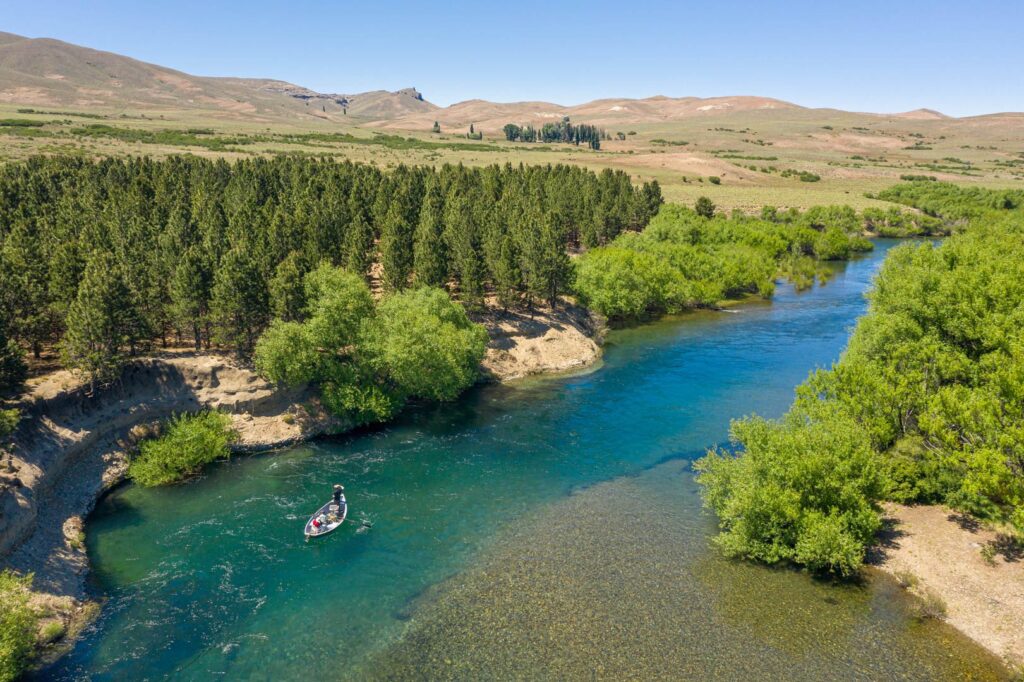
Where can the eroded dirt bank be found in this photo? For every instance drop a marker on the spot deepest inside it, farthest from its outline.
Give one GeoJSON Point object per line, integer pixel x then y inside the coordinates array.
{"type": "Point", "coordinates": [547, 341]}
{"type": "Point", "coordinates": [71, 446]}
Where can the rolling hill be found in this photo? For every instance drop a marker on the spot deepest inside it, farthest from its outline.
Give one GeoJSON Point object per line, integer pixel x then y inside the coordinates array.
{"type": "Point", "coordinates": [43, 72]}
{"type": "Point", "coordinates": [491, 116]}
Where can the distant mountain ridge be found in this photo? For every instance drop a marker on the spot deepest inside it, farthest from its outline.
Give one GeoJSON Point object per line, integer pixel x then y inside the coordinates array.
{"type": "Point", "coordinates": [492, 115]}
{"type": "Point", "coordinates": [49, 73]}
{"type": "Point", "coordinates": [52, 73]}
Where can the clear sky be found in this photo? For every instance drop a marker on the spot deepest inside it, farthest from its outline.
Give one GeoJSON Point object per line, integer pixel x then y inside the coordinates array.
{"type": "Point", "coordinates": [958, 56]}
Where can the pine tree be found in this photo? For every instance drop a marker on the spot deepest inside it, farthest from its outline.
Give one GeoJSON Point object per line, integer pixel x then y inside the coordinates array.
{"type": "Point", "coordinates": [190, 294]}
{"type": "Point", "coordinates": [554, 267]}
{"type": "Point", "coordinates": [704, 207]}
{"type": "Point", "coordinates": [25, 290]}
{"type": "Point", "coordinates": [358, 243]}
{"type": "Point", "coordinates": [287, 292]}
{"type": "Point", "coordinates": [651, 200]}
{"type": "Point", "coordinates": [239, 307]}
{"type": "Point", "coordinates": [99, 322]}
{"type": "Point", "coordinates": [429, 259]}
{"type": "Point", "coordinates": [545, 264]}
{"type": "Point", "coordinates": [462, 241]}
{"type": "Point", "coordinates": [396, 254]}
{"type": "Point", "coordinates": [12, 364]}
{"type": "Point", "coordinates": [65, 272]}
{"type": "Point", "coordinates": [505, 271]}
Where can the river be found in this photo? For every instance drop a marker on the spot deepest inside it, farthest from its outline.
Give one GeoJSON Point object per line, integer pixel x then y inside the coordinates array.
{"type": "Point", "coordinates": [549, 528]}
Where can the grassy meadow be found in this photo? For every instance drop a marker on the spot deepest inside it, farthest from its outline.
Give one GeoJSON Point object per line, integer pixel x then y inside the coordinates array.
{"type": "Point", "coordinates": [785, 158]}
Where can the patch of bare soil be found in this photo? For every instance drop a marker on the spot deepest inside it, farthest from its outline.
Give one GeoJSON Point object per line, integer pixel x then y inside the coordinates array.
{"type": "Point", "coordinates": [934, 550]}
{"type": "Point", "coordinates": [544, 341]}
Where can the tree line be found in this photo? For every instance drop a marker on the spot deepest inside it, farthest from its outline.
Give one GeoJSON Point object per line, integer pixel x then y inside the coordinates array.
{"type": "Point", "coordinates": [563, 131]}
{"type": "Point", "coordinates": [691, 258]}
{"type": "Point", "coordinates": [924, 406]}
{"type": "Point", "coordinates": [111, 257]}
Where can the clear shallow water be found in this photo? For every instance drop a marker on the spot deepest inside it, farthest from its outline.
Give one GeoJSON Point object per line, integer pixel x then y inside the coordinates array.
{"type": "Point", "coordinates": [213, 579]}
{"type": "Point", "coordinates": [618, 581]}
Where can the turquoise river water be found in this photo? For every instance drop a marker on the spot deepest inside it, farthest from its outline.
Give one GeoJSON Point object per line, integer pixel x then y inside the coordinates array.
{"type": "Point", "coordinates": [545, 529]}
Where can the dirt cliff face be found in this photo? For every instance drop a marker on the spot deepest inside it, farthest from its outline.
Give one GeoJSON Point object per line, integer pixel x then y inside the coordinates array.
{"type": "Point", "coordinates": [71, 446]}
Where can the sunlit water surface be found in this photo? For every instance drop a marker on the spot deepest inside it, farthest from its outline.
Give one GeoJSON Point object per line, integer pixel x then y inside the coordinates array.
{"type": "Point", "coordinates": [212, 578]}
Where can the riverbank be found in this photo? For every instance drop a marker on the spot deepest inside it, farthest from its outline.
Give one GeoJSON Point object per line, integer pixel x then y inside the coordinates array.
{"type": "Point", "coordinates": [544, 341]}
{"type": "Point", "coordinates": [934, 551]}
{"type": "Point", "coordinates": [72, 445]}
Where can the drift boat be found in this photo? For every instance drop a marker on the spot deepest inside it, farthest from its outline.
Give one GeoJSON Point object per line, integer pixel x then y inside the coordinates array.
{"type": "Point", "coordinates": [327, 518]}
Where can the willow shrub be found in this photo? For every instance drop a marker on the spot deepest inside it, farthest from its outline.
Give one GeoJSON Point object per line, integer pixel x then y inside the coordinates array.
{"type": "Point", "coordinates": [367, 360]}
{"type": "Point", "coordinates": [926, 404]}
{"type": "Point", "coordinates": [685, 260]}
{"type": "Point", "coordinates": [804, 489]}
{"type": "Point", "coordinates": [189, 442]}
{"type": "Point", "coordinates": [17, 625]}
{"type": "Point", "coordinates": [424, 343]}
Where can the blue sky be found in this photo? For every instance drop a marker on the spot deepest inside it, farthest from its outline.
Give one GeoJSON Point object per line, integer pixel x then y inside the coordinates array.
{"type": "Point", "coordinates": [962, 57]}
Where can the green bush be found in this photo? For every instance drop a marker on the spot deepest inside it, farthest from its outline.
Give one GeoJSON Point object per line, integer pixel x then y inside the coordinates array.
{"type": "Point", "coordinates": [51, 632]}
{"type": "Point", "coordinates": [425, 343]}
{"type": "Point", "coordinates": [366, 360]}
{"type": "Point", "coordinates": [20, 123]}
{"type": "Point", "coordinates": [188, 443]}
{"type": "Point", "coordinates": [17, 625]}
{"type": "Point", "coordinates": [688, 258]}
{"type": "Point", "coordinates": [925, 405]}
{"type": "Point", "coordinates": [803, 489]}
{"type": "Point", "coordinates": [286, 354]}
{"type": "Point", "coordinates": [8, 422]}
{"type": "Point", "coordinates": [622, 283]}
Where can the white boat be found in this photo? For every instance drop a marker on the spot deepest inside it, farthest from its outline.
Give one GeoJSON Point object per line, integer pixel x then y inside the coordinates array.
{"type": "Point", "coordinates": [331, 516]}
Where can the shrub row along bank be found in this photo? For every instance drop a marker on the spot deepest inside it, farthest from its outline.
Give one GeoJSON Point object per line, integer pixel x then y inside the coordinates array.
{"type": "Point", "coordinates": [926, 404]}
{"type": "Point", "coordinates": [687, 258]}
{"type": "Point", "coordinates": [112, 256]}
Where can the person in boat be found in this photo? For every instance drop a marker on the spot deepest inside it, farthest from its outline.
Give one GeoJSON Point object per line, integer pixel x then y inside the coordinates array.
{"type": "Point", "coordinates": [339, 491]}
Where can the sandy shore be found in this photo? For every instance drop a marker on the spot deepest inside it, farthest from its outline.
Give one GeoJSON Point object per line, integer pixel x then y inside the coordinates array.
{"type": "Point", "coordinates": [940, 552]}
